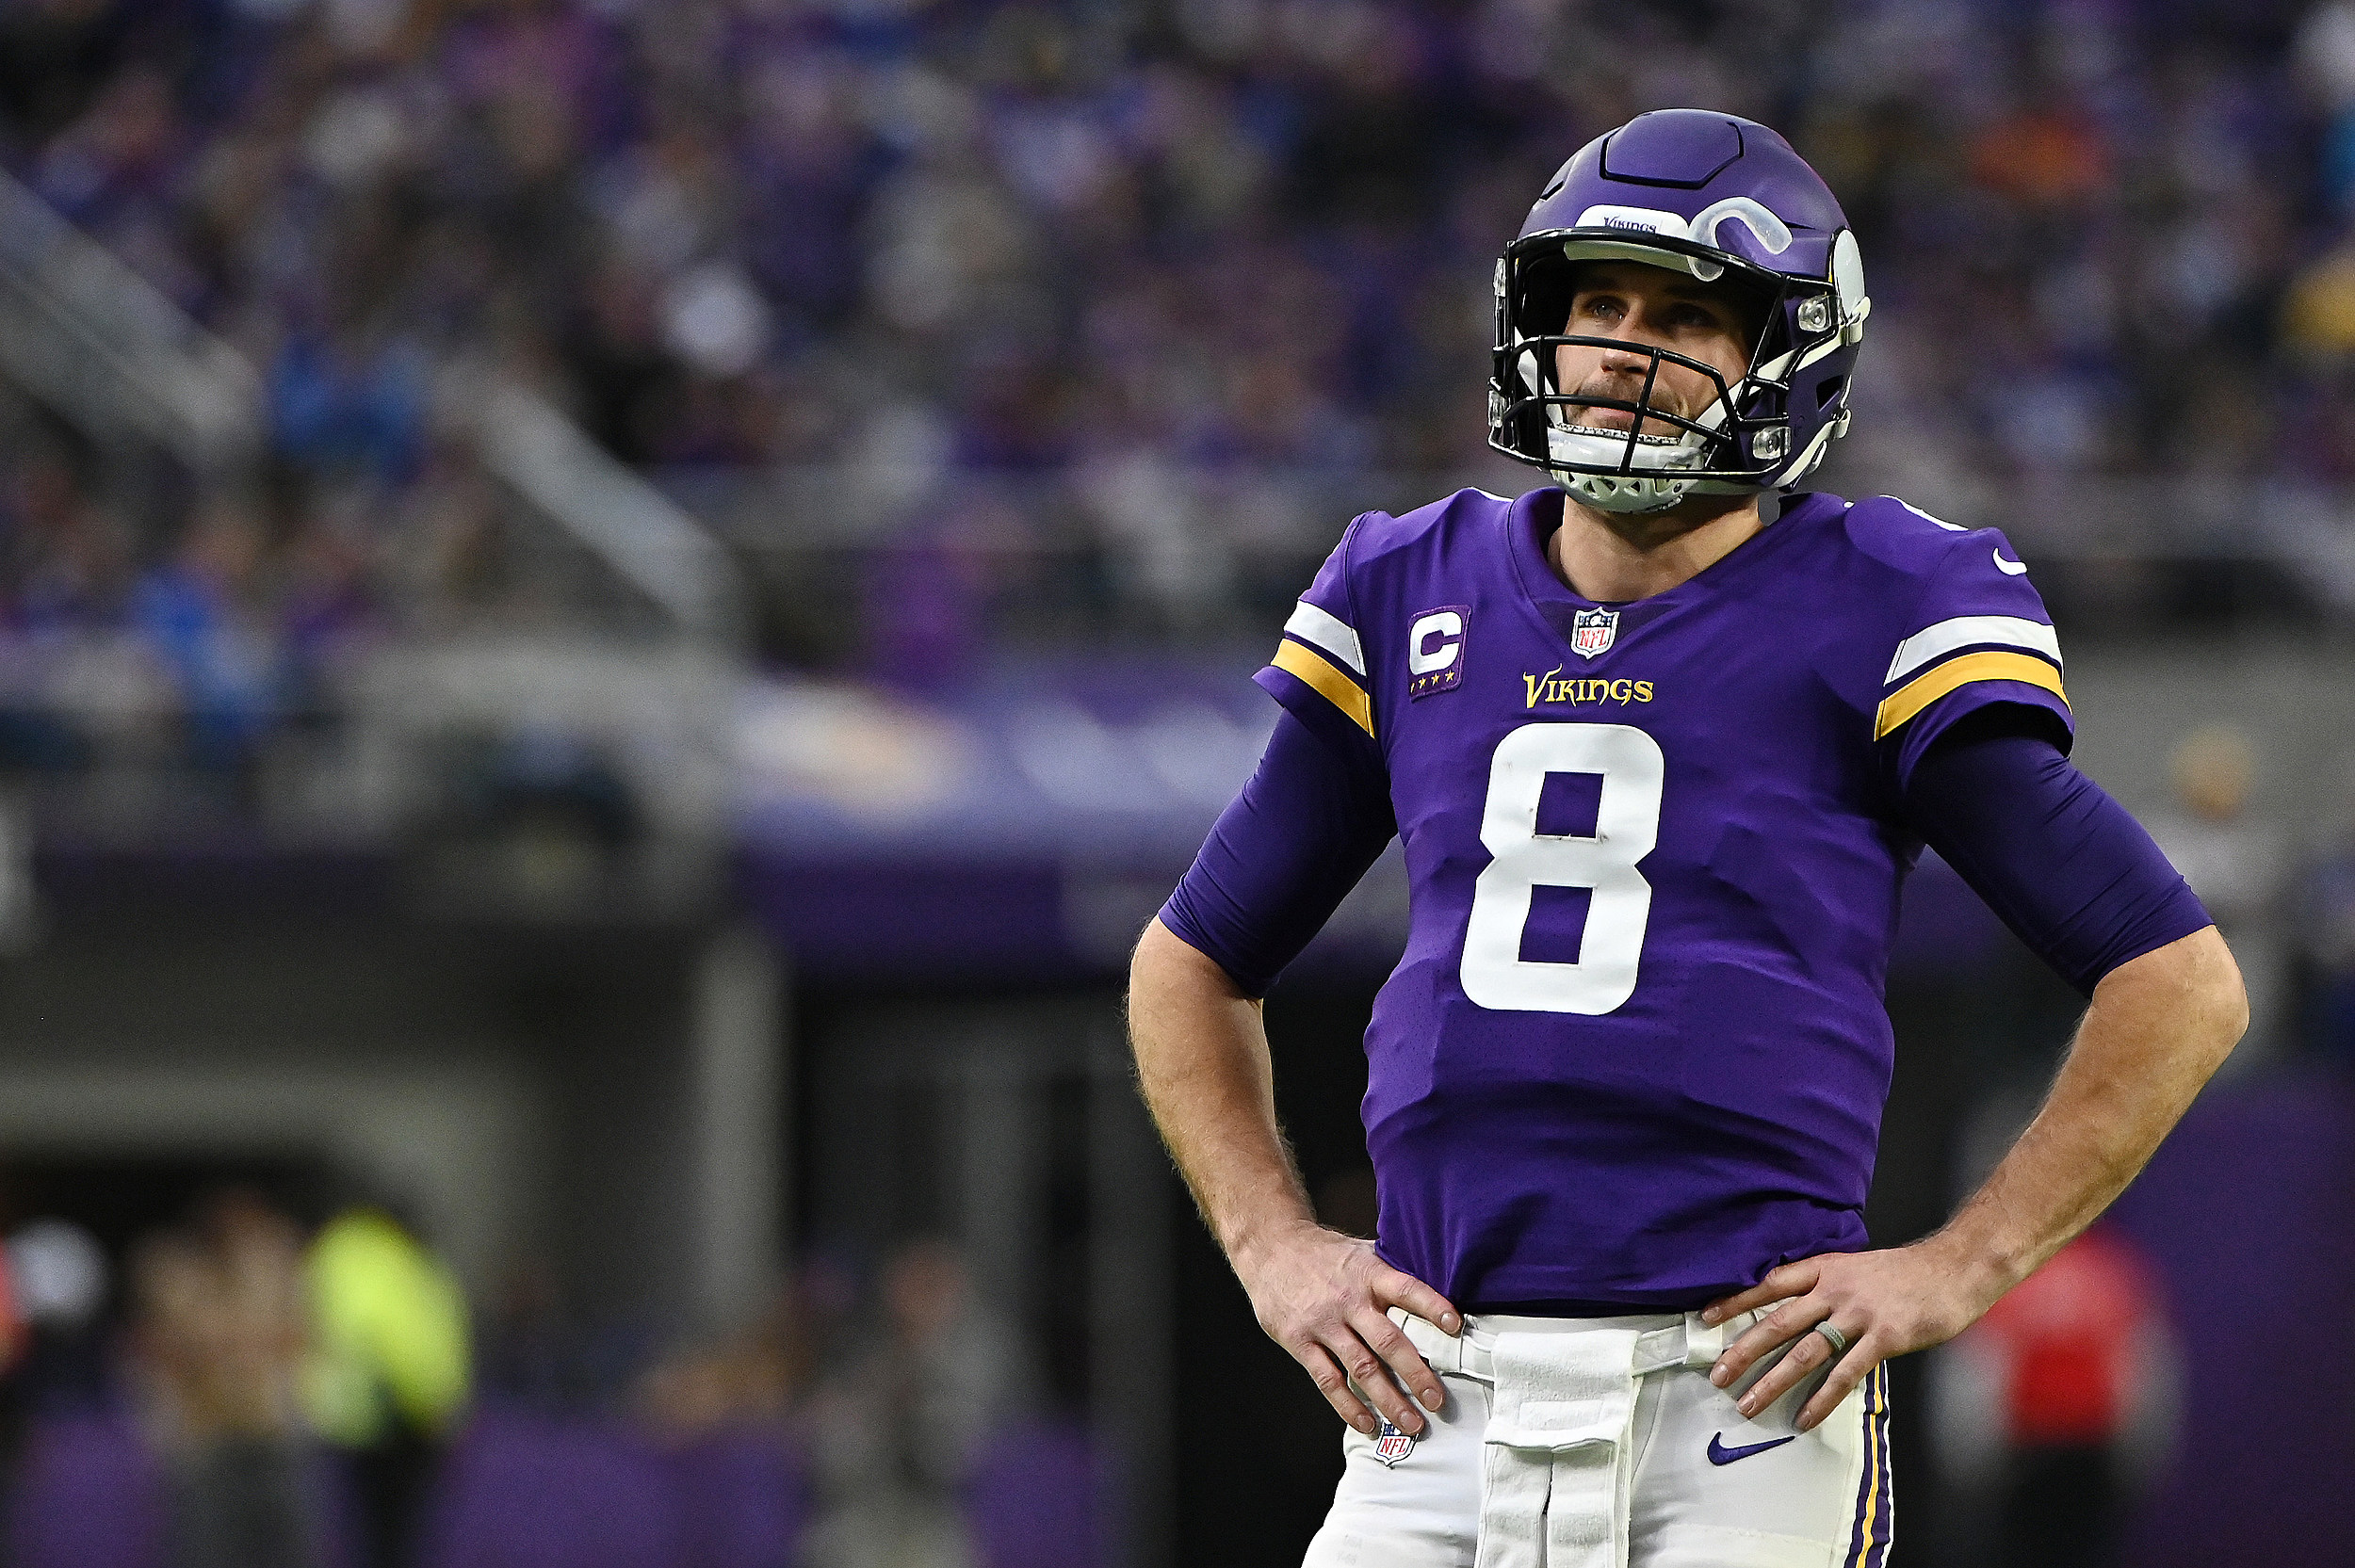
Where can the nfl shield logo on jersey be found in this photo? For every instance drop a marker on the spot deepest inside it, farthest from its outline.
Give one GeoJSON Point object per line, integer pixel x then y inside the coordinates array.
{"type": "Point", "coordinates": [1592, 631]}
{"type": "Point", "coordinates": [1393, 1446]}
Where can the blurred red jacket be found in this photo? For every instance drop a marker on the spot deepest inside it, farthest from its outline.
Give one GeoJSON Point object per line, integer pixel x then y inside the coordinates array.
{"type": "Point", "coordinates": [2070, 1338]}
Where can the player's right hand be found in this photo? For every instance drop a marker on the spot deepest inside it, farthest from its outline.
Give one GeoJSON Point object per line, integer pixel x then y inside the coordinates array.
{"type": "Point", "coordinates": [1325, 1297]}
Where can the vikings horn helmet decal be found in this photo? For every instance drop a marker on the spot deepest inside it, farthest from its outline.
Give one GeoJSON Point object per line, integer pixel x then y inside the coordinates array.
{"type": "Point", "coordinates": [1719, 198]}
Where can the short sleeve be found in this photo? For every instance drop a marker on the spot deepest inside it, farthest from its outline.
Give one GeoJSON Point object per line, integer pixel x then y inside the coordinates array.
{"type": "Point", "coordinates": [1319, 668]}
{"type": "Point", "coordinates": [1978, 635]}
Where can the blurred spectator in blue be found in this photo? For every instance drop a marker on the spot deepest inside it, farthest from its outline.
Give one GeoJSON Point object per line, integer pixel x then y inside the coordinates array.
{"type": "Point", "coordinates": [203, 613]}
{"type": "Point", "coordinates": [345, 408]}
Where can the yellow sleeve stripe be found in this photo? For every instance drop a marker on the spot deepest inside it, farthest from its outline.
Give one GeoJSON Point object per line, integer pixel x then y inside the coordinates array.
{"type": "Point", "coordinates": [1295, 658]}
{"type": "Point", "coordinates": [1920, 692]}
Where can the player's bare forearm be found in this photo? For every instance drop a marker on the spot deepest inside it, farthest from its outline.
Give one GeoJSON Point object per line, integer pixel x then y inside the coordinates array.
{"type": "Point", "coordinates": [1204, 1067]}
{"type": "Point", "coordinates": [2159, 1027]}
{"type": "Point", "coordinates": [1205, 1070]}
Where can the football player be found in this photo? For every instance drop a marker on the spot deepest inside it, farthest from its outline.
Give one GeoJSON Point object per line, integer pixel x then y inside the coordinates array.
{"type": "Point", "coordinates": [1660, 760]}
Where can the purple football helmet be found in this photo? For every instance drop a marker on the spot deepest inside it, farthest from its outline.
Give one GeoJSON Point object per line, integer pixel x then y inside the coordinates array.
{"type": "Point", "coordinates": [1720, 198]}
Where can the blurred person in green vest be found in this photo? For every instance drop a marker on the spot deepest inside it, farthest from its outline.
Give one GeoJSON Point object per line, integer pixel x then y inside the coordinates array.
{"type": "Point", "coordinates": [390, 1367]}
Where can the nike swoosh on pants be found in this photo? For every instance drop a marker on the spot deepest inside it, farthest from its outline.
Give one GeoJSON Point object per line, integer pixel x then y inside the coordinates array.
{"type": "Point", "coordinates": [1720, 1454]}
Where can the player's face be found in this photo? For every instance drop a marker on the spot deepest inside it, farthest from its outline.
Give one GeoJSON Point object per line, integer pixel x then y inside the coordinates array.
{"type": "Point", "coordinates": [1656, 308]}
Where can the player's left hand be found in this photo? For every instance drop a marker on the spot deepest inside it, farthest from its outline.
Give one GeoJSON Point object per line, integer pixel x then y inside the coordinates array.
{"type": "Point", "coordinates": [1884, 1304]}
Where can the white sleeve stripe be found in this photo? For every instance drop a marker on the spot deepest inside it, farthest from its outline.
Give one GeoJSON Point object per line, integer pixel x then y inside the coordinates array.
{"type": "Point", "coordinates": [1328, 631]}
{"type": "Point", "coordinates": [1950, 527]}
{"type": "Point", "coordinates": [1970, 631]}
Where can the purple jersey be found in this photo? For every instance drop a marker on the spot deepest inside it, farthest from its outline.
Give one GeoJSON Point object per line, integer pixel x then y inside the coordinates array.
{"type": "Point", "coordinates": [1635, 1052]}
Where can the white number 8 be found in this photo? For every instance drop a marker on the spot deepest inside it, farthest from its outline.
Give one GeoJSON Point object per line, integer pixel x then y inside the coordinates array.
{"type": "Point", "coordinates": [1627, 824]}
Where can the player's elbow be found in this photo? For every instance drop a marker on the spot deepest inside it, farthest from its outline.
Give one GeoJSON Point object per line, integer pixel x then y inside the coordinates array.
{"type": "Point", "coordinates": [2228, 997]}
{"type": "Point", "coordinates": [2217, 997]}
{"type": "Point", "coordinates": [1166, 968]}
{"type": "Point", "coordinates": [1158, 961]}
{"type": "Point", "coordinates": [2191, 990]}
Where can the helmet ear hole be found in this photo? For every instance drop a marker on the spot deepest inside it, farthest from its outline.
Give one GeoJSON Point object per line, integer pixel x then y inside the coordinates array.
{"type": "Point", "coordinates": [1829, 394]}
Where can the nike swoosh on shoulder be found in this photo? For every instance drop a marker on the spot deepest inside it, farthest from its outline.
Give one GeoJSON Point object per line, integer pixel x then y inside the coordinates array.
{"type": "Point", "coordinates": [1720, 1454]}
{"type": "Point", "coordinates": [2010, 568]}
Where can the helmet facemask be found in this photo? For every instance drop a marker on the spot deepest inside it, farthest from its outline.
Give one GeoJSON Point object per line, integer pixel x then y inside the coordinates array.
{"type": "Point", "coordinates": [1738, 443]}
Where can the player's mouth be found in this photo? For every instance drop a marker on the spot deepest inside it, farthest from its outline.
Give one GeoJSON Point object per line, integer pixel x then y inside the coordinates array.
{"type": "Point", "coordinates": [1615, 422]}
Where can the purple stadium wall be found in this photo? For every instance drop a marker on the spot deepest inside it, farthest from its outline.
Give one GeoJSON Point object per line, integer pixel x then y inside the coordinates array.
{"type": "Point", "coordinates": [2247, 1211]}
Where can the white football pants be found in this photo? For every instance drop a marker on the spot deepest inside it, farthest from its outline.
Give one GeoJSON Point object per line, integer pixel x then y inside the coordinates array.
{"type": "Point", "coordinates": [1598, 1443]}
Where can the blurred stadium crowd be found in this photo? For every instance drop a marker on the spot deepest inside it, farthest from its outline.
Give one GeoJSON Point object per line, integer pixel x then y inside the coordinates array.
{"type": "Point", "coordinates": [256, 1393]}
{"type": "Point", "coordinates": [911, 249]}
{"type": "Point", "coordinates": [1217, 231]}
